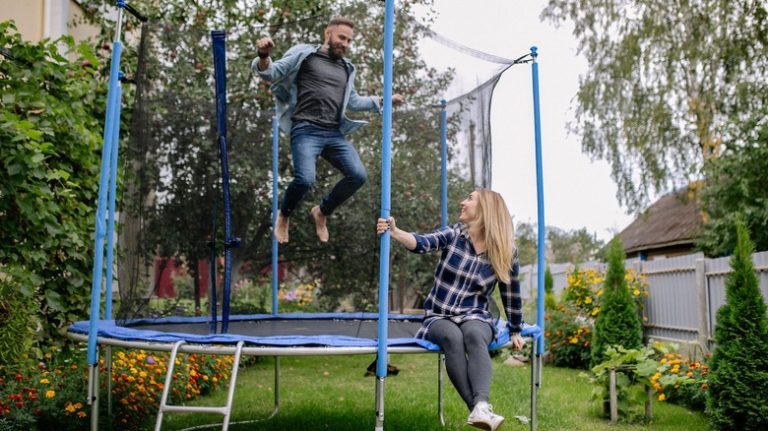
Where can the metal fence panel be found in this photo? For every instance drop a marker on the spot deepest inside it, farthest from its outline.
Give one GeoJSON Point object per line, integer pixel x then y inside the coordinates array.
{"type": "Point", "coordinates": [682, 305]}
{"type": "Point", "coordinates": [717, 272]}
{"type": "Point", "coordinates": [671, 304]}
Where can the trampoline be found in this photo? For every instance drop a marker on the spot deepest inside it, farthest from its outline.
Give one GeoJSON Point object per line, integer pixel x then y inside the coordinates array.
{"type": "Point", "coordinates": [287, 334]}
{"type": "Point", "coordinates": [278, 335]}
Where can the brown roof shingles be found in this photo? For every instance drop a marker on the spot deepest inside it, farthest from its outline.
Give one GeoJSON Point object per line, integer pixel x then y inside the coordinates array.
{"type": "Point", "coordinates": [673, 219]}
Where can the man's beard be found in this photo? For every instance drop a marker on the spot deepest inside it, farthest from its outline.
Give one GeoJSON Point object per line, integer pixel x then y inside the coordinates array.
{"type": "Point", "coordinates": [336, 51]}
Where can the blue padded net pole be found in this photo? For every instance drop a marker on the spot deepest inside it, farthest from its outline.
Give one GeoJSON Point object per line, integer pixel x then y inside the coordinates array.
{"type": "Point", "coordinates": [386, 169]}
{"type": "Point", "coordinates": [218, 38]}
{"type": "Point", "coordinates": [112, 121]}
{"type": "Point", "coordinates": [443, 164]}
{"type": "Point", "coordinates": [540, 202]}
{"type": "Point", "coordinates": [112, 198]}
{"type": "Point", "coordinates": [275, 141]}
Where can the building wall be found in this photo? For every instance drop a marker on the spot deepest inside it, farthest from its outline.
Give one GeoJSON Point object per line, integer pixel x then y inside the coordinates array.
{"type": "Point", "coordinates": [40, 19]}
{"type": "Point", "coordinates": [662, 252]}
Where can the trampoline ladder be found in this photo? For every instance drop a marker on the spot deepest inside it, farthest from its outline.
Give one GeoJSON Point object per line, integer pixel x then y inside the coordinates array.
{"type": "Point", "coordinates": [225, 410]}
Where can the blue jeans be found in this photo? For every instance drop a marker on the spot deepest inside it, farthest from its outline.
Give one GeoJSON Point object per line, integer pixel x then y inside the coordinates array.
{"type": "Point", "coordinates": [308, 141]}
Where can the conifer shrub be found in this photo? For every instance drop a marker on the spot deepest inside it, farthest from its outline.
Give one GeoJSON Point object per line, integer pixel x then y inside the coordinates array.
{"type": "Point", "coordinates": [618, 323]}
{"type": "Point", "coordinates": [550, 301]}
{"type": "Point", "coordinates": [738, 378]}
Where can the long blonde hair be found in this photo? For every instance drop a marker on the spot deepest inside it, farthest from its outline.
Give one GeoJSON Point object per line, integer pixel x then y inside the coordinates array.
{"type": "Point", "coordinates": [494, 221]}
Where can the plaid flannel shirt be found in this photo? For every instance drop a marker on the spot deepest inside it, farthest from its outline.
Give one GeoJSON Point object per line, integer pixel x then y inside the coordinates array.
{"type": "Point", "coordinates": [464, 281]}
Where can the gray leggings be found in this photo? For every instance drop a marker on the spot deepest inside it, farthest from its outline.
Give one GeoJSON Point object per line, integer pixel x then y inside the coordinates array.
{"type": "Point", "coordinates": [466, 356]}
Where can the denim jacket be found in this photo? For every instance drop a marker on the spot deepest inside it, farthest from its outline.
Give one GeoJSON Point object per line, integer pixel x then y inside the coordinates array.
{"type": "Point", "coordinates": [282, 74]}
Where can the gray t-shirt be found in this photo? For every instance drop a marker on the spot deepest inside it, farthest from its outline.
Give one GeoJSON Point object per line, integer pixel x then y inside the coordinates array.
{"type": "Point", "coordinates": [321, 81]}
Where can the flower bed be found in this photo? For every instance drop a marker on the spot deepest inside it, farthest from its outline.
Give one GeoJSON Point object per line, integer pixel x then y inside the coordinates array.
{"type": "Point", "coordinates": [51, 394]}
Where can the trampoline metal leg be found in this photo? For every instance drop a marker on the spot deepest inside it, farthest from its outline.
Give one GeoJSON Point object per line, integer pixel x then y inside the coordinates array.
{"type": "Point", "coordinates": [277, 387]}
{"type": "Point", "coordinates": [379, 404]}
{"type": "Point", "coordinates": [108, 369]}
{"type": "Point", "coordinates": [440, 363]}
{"type": "Point", "coordinates": [535, 382]}
{"type": "Point", "coordinates": [93, 394]}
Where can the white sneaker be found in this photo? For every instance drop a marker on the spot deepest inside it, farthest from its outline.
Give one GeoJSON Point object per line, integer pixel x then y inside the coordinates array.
{"type": "Point", "coordinates": [482, 417]}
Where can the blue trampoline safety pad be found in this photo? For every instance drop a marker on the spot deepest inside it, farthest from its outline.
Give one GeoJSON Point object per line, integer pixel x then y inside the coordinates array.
{"type": "Point", "coordinates": [283, 330]}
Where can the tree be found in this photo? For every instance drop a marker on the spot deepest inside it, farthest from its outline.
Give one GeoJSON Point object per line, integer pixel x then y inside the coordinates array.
{"type": "Point", "coordinates": [663, 79]}
{"type": "Point", "coordinates": [736, 189]}
{"type": "Point", "coordinates": [526, 243]}
{"type": "Point", "coordinates": [50, 133]}
{"type": "Point", "coordinates": [618, 323]}
{"type": "Point", "coordinates": [575, 246]}
{"type": "Point", "coordinates": [738, 379]}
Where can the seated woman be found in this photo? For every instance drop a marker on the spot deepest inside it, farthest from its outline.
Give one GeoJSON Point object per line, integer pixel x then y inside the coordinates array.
{"type": "Point", "coordinates": [477, 254]}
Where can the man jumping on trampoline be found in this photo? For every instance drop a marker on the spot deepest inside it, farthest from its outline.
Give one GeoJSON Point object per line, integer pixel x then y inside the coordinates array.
{"type": "Point", "coordinates": [314, 87]}
{"type": "Point", "coordinates": [477, 254]}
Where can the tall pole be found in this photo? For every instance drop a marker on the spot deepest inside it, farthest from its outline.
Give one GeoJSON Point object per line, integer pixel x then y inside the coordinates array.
{"type": "Point", "coordinates": [110, 233]}
{"type": "Point", "coordinates": [113, 100]}
{"type": "Point", "coordinates": [386, 168]}
{"type": "Point", "coordinates": [443, 164]}
{"type": "Point", "coordinates": [539, 199]}
{"type": "Point", "coordinates": [275, 273]}
{"type": "Point", "coordinates": [218, 38]}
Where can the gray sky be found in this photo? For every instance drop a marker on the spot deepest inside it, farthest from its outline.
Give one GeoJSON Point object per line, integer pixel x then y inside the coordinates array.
{"type": "Point", "coordinates": [578, 192]}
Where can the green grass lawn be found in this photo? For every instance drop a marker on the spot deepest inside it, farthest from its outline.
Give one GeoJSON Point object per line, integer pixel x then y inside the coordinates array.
{"type": "Point", "coordinates": [332, 393]}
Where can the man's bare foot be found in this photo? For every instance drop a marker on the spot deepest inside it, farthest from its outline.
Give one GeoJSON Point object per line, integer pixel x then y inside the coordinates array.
{"type": "Point", "coordinates": [281, 230]}
{"type": "Point", "coordinates": [320, 227]}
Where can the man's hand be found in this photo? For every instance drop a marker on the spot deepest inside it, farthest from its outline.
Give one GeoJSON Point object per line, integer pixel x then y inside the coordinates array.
{"type": "Point", "coordinates": [265, 45]}
{"type": "Point", "coordinates": [397, 99]}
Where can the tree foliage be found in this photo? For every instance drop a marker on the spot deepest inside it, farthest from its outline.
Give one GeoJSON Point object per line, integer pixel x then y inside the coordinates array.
{"type": "Point", "coordinates": [738, 380]}
{"type": "Point", "coordinates": [526, 242]}
{"type": "Point", "coordinates": [50, 132]}
{"type": "Point", "coordinates": [618, 323]}
{"type": "Point", "coordinates": [575, 246]}
{"type": "Point", "coordinates": [736, 189]}
{"type": "Point", "coordinates": [663, 79]}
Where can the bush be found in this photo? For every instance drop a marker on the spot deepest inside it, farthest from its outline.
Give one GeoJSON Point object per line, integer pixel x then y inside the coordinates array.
{"type": "Point", "coordinates": [692, 396]}
{"type": "Point", "coordinates": [738, 382]}
{"type": "Point", "coordinates": [570, 325]}
{"type": "Point", "coordinates": [47, 394]}
{"type": "Point", "coordinates": [550, 300]}
{"type": "Point", "coordinates": [51, 111]}
{"type": "Point", "coordinates": [300, 297]}
{"type": "Point", "coordinates": [138, 379]}
{"type": "Point", "coordinates": [656, 366]}
{"type": "Point", "coordinates": [18, 320]}
{"type": "Point", "coordinates": [568, 337]}
{"type": "Point", "coordinates": [50, 393]}
{"type": "Point", "coordinates": [584, 290]}
{"type": "Point", "coordinates": [250, 297]}
{"type": "Point", "coordinates": [618, 322]}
